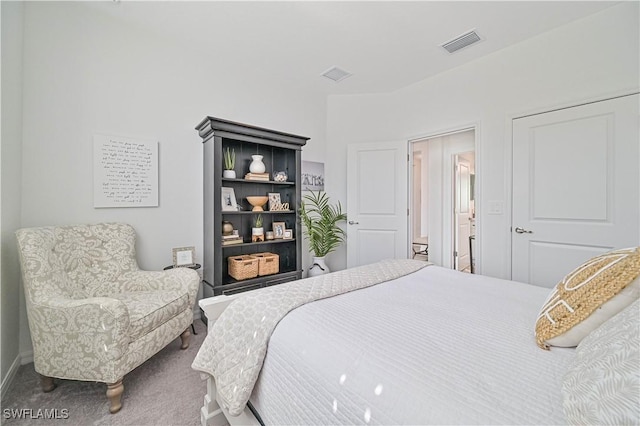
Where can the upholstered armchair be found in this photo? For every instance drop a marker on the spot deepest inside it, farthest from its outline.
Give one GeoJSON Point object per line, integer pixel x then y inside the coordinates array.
{"type": "Point", "coordinates": [93, 314]}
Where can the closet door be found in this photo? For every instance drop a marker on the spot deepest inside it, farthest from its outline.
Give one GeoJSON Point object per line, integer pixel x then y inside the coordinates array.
{"type": "Point", "coordinates": [576, 187]}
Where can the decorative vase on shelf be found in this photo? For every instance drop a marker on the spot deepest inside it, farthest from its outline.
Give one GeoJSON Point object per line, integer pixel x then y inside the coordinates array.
{"type": "Point", "coordinates": [227, 228]}
{"type": "Point", "coordinates": [257, 166]}
{"type": "Point", "coordinates": [229, 174]}
{"type": "Point", "coordinates": [319, 267]}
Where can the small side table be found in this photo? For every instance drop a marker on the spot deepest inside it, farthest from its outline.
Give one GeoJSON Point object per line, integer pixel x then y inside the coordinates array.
{"type": "Point", "coordinates": [194, 267]}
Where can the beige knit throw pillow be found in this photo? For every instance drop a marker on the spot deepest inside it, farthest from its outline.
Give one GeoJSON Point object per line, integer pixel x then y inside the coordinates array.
{"type": "Point", "coordinates": [589, 295]}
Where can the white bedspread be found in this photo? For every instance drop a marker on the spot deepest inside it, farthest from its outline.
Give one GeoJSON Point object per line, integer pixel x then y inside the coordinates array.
{"type": "Point", "coordinates": [433, 347]}
{"type": "Point", "coordinates": [236, 345]}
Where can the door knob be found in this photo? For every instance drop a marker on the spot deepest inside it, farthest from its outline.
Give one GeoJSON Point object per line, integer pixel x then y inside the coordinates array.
{"type": "Point", "coordinates": [523, 231]}
{"type": "Point", "coordinates": [351, 222]}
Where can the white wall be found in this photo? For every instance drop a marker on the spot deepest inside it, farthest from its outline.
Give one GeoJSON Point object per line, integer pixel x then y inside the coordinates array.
{"type": "Point", "coordinates": [591, 58]}
{"type": "Point", "coordinates": [10, 178]}
{"type": "Point", "coordinates": [85, 73]}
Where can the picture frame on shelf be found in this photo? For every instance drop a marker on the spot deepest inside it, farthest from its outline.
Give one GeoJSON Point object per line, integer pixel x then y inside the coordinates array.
{"type": "Point", "coordinates": [229, 202]}
{"type": "Point", "coordinates": [288, 234]}
{"type": "Point", "coordinates": [278, 230]}
{"type": "Point", "coordinates": [184, 257]}
{"type": "Point", "coordinates": [274, 201]}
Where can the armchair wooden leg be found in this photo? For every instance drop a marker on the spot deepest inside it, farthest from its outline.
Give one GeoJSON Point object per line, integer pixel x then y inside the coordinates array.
{"type": "Point", "coordinates": [114, 393]}
{"type": "Point", "coordinates": [185, 339]}
{"type": "Point", "coordinates": [47, 383]}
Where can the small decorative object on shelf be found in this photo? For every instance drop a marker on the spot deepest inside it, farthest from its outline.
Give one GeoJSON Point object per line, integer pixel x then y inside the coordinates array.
{"type": "Point", "coordinates": [229, 164]}
{"type": "Point", "coordinates": [288, 234]}
{"type": "Point", "coordinates": [269, 235]}
{"type": "Point", "coordinates": [257, 232]}
{"type": "Point", "coordinates": [280, 176]}
{"type": "Point", "coordinates": [257, 166]}
{"type": "Point", "coordinates": [257, 201]}
{"type": "Point", "coordinates": [227, 228]}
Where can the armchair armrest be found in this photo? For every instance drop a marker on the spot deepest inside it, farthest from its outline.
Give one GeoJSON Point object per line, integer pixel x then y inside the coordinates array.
{"type": "Point", "coordinates": [61, 325]}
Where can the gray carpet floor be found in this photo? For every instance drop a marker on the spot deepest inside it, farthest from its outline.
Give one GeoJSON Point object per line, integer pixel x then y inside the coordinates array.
{"type": "Point", "coordinates": [165, 390]}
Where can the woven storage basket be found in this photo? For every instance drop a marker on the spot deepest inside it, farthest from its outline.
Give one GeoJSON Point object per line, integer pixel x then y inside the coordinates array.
{"type": "Point", "coordinates": [243, 267]}
{"type": "Point", "coordinates": [269, 263]}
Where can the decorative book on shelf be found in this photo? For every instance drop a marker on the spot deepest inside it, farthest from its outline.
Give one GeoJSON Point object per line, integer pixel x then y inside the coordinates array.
{"type": "Point", "coordinates": [228, 242]}
{"type": "Point", "coordinates": [257, 176]}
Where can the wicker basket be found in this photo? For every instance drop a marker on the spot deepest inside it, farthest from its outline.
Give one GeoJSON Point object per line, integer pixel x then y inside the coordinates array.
{"type": "Point", "coordinates": [243, 267]}
{"type": "Point", "coordinates": [269, 263]}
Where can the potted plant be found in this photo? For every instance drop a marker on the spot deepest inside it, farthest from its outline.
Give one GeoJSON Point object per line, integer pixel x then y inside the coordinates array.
{"type": "Point", "coordinates": [229, 163]}
{"type": "Point", "coordinates": [320, 220]}
{"type": "Point", "coordinates": [257, 232]}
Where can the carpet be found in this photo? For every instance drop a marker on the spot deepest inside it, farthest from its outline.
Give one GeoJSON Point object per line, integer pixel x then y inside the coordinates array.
{"type": "Point", "coordinates": [162, 391]}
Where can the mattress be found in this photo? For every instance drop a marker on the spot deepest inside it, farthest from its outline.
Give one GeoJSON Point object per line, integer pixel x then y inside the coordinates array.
{"type": "Point", "coordinates": [434, 347]}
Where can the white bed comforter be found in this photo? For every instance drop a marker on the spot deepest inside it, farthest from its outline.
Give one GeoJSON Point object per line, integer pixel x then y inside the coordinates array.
{"type": "Point", "coordinates": [234, 349]}
{"type": "Point", "coordinates": [433, 347]}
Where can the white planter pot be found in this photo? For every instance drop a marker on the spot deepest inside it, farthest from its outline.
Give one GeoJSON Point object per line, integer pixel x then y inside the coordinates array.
{"type": "Point", "coordinates": [257, 234]}
{"type": "Point", "coordinates": [257, 166]}
{"type": "Point", "coordinates": [318, 267]}
{"type": "Point", "coordinates": [230, 174]}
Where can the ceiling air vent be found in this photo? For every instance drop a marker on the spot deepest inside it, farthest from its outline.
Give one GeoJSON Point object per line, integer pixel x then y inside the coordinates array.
{"type": "Point", "coordinates": [336, 74]}
{"type": "Point", "coordinates": [461, 41]}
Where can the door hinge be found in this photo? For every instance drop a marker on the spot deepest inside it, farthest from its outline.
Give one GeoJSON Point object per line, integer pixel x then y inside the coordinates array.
{"type": "Point", "coordinates": [455, 253]}
{"type": "Point", "coordinates": [407, 158]}
{"type": "Point", "coordinates": [407, 212]}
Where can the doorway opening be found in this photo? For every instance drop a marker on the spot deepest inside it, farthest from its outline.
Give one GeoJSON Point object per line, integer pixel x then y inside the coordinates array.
{"type": "Point", "coordinates": [443, 202]}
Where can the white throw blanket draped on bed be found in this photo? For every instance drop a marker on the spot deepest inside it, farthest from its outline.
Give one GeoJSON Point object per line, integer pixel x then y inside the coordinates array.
{"type": "Point", "coordinates": [234, 349]}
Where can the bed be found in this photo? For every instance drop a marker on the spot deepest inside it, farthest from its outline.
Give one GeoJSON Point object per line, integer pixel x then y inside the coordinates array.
{"type": "Point", "coordinates": [396, 342]}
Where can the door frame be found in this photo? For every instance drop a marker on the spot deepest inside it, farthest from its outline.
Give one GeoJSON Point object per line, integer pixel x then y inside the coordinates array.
{"type": "Point", "coordinates": [448, 208]}
{"type": "Point", "coordinates": [510, 117]}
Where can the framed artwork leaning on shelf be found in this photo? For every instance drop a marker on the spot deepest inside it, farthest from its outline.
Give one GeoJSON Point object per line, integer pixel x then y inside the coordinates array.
{"type": "Point", "coordinates": [278, 230]}
{"type": "Point", "coordinates": [288, 234]}
{"type": "Point", "coordinates": [274, 201]}
{"type": "Point", "coordinates": [229, 202]}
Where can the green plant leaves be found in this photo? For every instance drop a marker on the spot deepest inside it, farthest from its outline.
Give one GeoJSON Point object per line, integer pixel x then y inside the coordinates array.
{"type": "Point", "coordinates": [320, 220]}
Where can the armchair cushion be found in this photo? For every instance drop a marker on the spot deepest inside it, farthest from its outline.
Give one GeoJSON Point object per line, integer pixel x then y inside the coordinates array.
{"type": "Point", "coordinates": [150, 309]}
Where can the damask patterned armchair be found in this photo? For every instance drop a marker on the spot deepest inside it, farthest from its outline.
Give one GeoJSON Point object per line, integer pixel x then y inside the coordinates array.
{"type": "Point", "coordinates": [93, 314]}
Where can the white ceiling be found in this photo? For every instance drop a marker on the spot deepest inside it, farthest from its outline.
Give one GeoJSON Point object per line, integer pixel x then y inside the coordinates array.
{"type": "Point", "coordinates": [387, 45]}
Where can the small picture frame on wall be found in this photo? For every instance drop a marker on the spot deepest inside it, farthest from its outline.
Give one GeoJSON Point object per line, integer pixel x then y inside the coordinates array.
{"type": "Point", "coordinates": [229, 202]}
{"type": "Point", "coordinates": [184, 257]}
{"type": "Point", "coordinates": [288, 234]}
{"type": "Point", "coordinates": [278, 230]}
{"type": "Point", "coordinates": [274, 201]}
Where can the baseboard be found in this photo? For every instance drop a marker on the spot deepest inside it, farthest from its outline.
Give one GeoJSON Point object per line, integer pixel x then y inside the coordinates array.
{"type": "Point", "coordinates": [26, 357]}
{"type": "Point", "coordinates": [11, 374]}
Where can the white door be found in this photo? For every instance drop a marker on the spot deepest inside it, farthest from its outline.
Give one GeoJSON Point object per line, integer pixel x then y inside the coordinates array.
{"type": "Point", "coordinates": [575, 187]}
{"type": "Point", "coordinates": [377, 207]}
{"type": "Point", "coordinates": [462, 207]}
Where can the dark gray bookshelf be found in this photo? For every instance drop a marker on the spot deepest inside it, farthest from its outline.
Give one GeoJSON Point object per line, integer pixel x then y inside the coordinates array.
{"type": "Point", "coordinates": [281, 152]}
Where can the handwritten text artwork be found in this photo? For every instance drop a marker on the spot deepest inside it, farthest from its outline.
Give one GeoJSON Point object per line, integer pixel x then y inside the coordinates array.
{"type": "Point", "coordinates": [125, 172]}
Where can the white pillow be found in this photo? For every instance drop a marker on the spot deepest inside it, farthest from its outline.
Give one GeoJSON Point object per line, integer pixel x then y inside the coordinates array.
{"type": "Point", "coordinates": [602, 383]}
